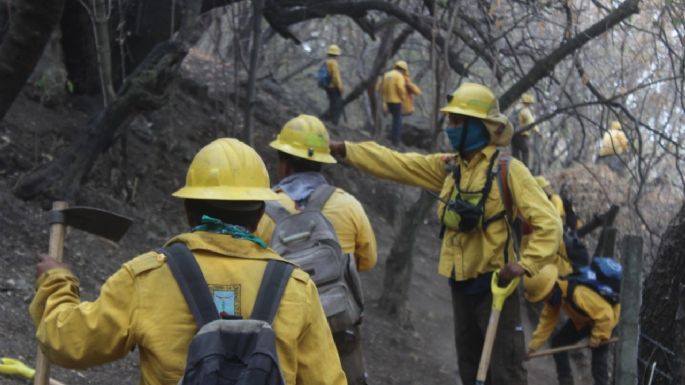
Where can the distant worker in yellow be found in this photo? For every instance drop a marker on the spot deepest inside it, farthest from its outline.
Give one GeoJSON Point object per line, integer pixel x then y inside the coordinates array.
{"type": "Point", "coordinates": [476, 236]}
{"type": "Point", "coordinates": [398, 91]}
{"type": "Point", "coordinates": [520, 143]}
{"type": "Point", "coordinates": [303, 148]}
{"type": "Point", "coordinates": [614, 143]}
{"type": "Point", "coordinates": [589, 315]}
{"type": "Point", "coordinates": [328, 77]}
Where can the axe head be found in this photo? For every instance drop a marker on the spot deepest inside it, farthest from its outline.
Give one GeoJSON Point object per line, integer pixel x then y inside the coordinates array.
{"type": "Point", "coordinates": [95, 221]}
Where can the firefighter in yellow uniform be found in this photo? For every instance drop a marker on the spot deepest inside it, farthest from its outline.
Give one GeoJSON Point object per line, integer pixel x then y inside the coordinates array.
{"type": "Point", "coordinates": [395, 93]}
{"type": "Point", "coordinates": [476, 240]}
{"type": "Point", "coordinates": [141, 306]}
{"type": "Point", "coordinates": [590, 315]}
{"type": "Point", "coordinates": [520, 142]}
{"type": "Point", "coordinates": [614, 143]}
{"type": "Point", "coordinates": [303, 148]}
{"type": "Point", "coordinates": [334, 90]}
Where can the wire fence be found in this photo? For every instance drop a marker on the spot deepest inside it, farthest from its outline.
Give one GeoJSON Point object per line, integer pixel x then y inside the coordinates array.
{"type": "Point", "coordinates": [660, 365]}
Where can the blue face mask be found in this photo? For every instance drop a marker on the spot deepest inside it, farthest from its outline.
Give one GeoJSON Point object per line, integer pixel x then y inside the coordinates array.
{"type": "Point", "coordinates": [555, 299]}
{"type": "Point", "coordinates": [476, 135]}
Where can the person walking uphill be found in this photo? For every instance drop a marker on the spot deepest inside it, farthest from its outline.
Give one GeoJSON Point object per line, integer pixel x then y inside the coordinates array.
{"type": "Point", "coordinates": [141, 306]}
{"type": "Point", "coordinates": [303, 148]}
{"type": "Point", "coordinates": [590, 315]}
{"type": "Point", "coordinates": [476, 239]}
{"type": "Point", "coordinates": [614, 143]}
{"type": "Point", "coordinates": [332, 82]}
{"type": "Point", "coordinates": [395, 93]}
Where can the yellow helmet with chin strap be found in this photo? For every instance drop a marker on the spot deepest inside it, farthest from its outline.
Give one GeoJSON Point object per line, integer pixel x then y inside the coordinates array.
{"type": "Point", "coordinates": [538, 286]}
{"type": "Point", "coordinates": [478, 101]}
{"type": "Point", "coordinates": [227, 170]}
{"type": "Point", "coordinates": [305, 137]}
{"type": "Point", "coordinates": [401, 64]}
{"type": "Point", "coordinates": [333, 50]}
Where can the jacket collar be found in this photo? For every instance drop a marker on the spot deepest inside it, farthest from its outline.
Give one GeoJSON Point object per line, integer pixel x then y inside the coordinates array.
{"type": "Point", "coordinates": [486, 153]}
{"type": "Point", "coordinates": [224, 245]}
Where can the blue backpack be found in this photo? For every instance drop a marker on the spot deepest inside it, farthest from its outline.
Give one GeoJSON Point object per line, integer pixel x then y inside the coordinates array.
{"type": "Point", "coordinates": [323, 77]}
{"type": "Point", "coordinates": [603, 275]}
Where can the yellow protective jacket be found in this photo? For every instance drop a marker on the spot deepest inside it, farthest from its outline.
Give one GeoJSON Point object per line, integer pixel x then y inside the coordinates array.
{"type": "Point", "coordinates": [334, 71]}
{"type": "Point", "coordinates": [525, 119]}
{"type": "Point", "coordinates": [408, 102]}
{"type": "Point", "coordinates": [467, 255]}
{"type": "Point", "coordinates": [561, 258]}
{"type": "Point", "coordinates": [349, 220]}
{"type": "Point", "coordinates": [596, 313]}
{"type": "Point", "coordinates": [393, 87]}
{"type": "Point", "coordinates": [614, 142]}
{"type": "Point", "coordinates": [141, 306]}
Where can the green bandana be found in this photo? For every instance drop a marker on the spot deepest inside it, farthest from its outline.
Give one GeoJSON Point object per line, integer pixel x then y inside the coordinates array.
{"type": "Point", "coordinates": [214, 225]}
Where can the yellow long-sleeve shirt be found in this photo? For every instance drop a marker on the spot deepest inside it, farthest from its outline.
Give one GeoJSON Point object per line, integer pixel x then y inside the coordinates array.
{"type": "Point", "coordinates": [525, 119]}
{"type": "Point", "coordinates": [596, 313]}
{"type": "Point", "coordinates": [141, 306]}
{"type": "Point", "coordinates": [334, 71]}
{"type": "Point", "coordinates": [349, 220]}
{"type": "Point", "coordinates": [393, 87]}
{"type": "Point", "coordinates": [467, 255]}
{"type": "Point", "coordinates": [613, 142]}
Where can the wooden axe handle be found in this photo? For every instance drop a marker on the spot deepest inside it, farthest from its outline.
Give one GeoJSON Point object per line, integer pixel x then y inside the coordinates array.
{"type": "Point", "coordinates": [56, 250]}
{"type": "Point", "coordinates": [567, 348]}
{"type": "Point", "coordinates": [488, 343]}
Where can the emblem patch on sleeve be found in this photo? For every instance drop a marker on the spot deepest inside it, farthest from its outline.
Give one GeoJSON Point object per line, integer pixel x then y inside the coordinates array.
{"type": "Point", "coordinates": [226, 299]}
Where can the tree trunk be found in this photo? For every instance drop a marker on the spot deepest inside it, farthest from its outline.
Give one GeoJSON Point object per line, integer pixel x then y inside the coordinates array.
{"type": "Point", "coordinates": [104, 55]}
{"type": "Point", "coordinates": [662, 318]}
{"type": "Point", "coordinates": [31, 26]}
{"type": "Point", "coordinates": [257, 10]}
{"type": "Point", "coordinates": [399, 266]}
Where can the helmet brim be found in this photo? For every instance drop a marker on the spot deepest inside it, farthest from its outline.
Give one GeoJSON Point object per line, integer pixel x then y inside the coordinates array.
{"type": "Point", "coordinates": [224, 193]}
{"type": "Point", "coordinates": [300, 153]}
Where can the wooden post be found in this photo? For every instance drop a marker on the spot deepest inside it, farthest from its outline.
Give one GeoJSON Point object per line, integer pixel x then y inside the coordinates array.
{"type": "Point", "coordinates": [631, 299]}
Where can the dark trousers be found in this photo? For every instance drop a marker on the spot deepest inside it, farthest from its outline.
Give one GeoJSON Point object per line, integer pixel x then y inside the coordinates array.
{"type": "Point", "coordinates": [396, 130]}
{"type": "Point", "coordinates": [520, 149]}
{"type": "Point", "coordinates": [349, 345]}
{"type": "Point", "coordinates": [569, 335]}
{"type": "Point", "coordinates": [335, 105]}
{"type": "Point", "coordinates": [471, 316]}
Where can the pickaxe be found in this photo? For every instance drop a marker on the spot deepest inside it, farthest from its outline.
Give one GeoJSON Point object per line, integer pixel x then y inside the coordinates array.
{"type": "Point", "coordinates": [499, 295]}
{"type": "Point", "coordinates": [95, 221]}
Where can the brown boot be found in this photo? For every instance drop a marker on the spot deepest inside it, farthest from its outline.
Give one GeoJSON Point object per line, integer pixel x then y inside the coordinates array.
{"type": "Point", "coordinates": [566, 381]}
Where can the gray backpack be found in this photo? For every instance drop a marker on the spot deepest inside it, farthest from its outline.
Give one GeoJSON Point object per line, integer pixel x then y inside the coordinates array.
{"type": "Point", "coordinates": [308, 239]}
{"type": "Point", "coordinates": [229, 351]}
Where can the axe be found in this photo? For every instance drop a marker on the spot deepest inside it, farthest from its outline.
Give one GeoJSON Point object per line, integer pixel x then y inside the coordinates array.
{"type": "Point", "coordinates": [95, 221]}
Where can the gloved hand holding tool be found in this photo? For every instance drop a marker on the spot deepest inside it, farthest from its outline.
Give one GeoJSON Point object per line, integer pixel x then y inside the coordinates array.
{"type": "Point", "coordinates": [14, 367]}
{"type": "Point", "coordinates": [95, 221]}
{"type": "Point", "coordinates": [582, 345]}
{"type": "Point", "coordinates": [499, 295]}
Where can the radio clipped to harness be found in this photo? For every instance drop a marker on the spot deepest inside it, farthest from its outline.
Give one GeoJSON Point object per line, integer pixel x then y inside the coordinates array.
{"type": "Point", "coordinates": [463, 211]}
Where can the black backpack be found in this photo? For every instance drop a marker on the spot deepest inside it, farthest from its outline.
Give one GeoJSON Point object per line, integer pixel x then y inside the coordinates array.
{"type": "Point", "coordinates": [229, 351]}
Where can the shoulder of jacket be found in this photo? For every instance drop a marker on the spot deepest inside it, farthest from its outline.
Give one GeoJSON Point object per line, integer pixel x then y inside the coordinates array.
{"type": "Point", "coordinates": [300, 275]}
{"type": "Point", "coordinates": [146, 262]}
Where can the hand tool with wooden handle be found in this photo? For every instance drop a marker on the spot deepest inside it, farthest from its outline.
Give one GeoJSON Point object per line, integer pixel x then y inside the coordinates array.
{"type": "Point", "coordinates": [499, 295]}
{"type": "Point", "coordinates": [14, 367]}
{"type": "Point", "coordinates": [567, 348]}
{"type": "Point", "coordinates": [95, 221]}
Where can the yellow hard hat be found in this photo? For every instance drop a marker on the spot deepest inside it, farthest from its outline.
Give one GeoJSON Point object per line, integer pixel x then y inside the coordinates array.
{"type": "Point", "coordinates": [538, 286]}
{"type": "Point", "coordinates": [615, 125]}
{"type": "Point", "coordinates": [478, 101]}
{"type": "Point", "coordinates": [542, 181]}
{"type": "Point", "coordinates": [527, 98]}
{"type": "Point", "coordinates": [333, 50]}
{"type": "Point", "coordinates": [401, 64]}
{"type": "Point", "coordinates": [227, 170]}
{"type": "Point", "coordinates": [305, 137]}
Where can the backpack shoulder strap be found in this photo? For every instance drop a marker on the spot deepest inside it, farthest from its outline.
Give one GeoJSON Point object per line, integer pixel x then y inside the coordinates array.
{"type": "Point", "coordinates": [192, 283]}
{"type": "Point", "coordinates": [276, 211]}
{"type": "Point", "coordinates": [319, 197]}
{"type": "Point", "coordinates": [572, 283]}
{"type": "Point", "coordinates": [503, 184]}
{"type": "Point", "coordinates": [271, 290]}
